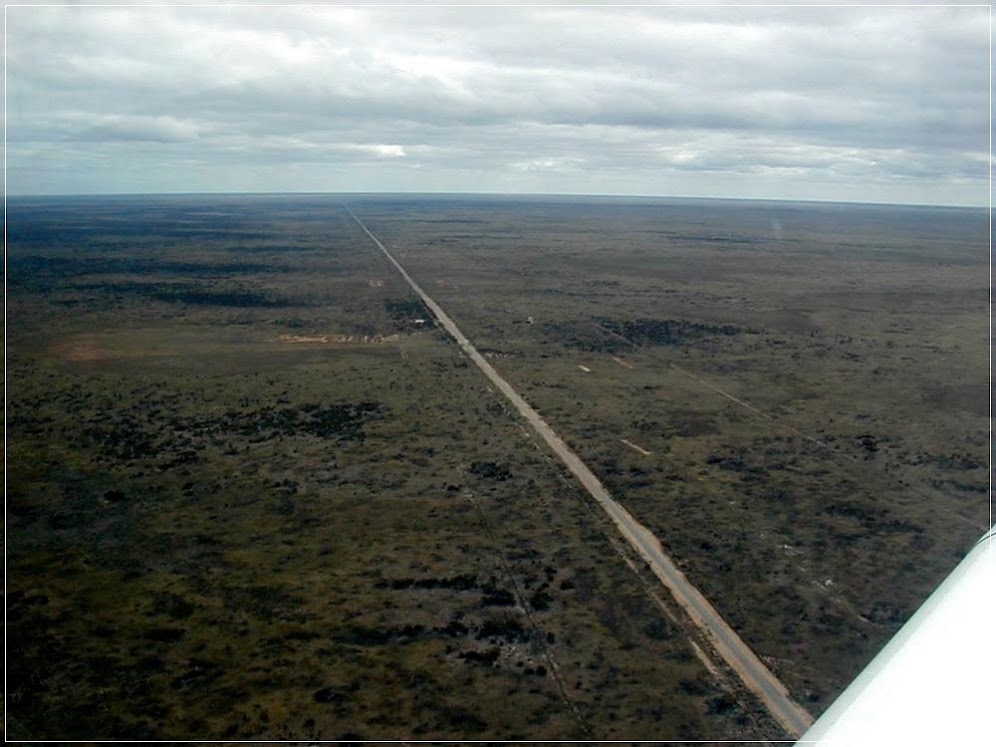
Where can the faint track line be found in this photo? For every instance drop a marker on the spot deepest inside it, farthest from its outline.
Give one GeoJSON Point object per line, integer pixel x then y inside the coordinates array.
{"type": "Point", "coordinates": [706, 384]}
{"type": "Point", "coordinates": [538, 636]}
{"type": "Point", "coordinates": [750, 407]}
{"type": "Point", "coordinates": [880, 476]}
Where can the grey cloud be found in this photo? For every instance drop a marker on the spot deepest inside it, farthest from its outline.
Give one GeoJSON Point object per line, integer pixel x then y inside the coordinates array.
{"type": "Point", "coordinates": [135, 127]}
{"type": "Point", "coordinates": [506, 94]}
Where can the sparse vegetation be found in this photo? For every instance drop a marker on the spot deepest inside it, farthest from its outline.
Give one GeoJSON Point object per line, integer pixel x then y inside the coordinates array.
{"type": "Point", "coordinates": [215, 533]}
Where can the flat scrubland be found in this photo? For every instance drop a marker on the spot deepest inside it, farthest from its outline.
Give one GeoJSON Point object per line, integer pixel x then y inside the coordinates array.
{"type": "Point", "coordinates": [253, 492]}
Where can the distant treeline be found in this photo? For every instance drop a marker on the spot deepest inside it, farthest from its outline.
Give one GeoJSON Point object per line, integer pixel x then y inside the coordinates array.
{"type": "Point", "coordinates": [193, 294]}
{"type": "Point", "coordinates": [22, 269]}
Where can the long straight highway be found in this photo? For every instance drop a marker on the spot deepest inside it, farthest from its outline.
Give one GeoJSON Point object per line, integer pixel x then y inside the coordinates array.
{"type": "Point", "coordinates": [737, 654]}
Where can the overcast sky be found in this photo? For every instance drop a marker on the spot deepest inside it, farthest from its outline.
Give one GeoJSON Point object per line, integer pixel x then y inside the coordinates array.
{"type": "Point", "coordinates": [868, 104]}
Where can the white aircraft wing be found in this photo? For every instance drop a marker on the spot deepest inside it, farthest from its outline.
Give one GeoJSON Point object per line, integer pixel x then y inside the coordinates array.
{"type": "Point", "coordinates": [934, 683]}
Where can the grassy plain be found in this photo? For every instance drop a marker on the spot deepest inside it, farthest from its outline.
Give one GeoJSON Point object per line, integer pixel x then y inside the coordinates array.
{"type": "Point", "coordinates": [254, 493]}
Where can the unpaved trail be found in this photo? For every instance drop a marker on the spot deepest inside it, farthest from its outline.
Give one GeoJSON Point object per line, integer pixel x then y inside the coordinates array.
{"type": "Point", "coordinates": [737, 654]}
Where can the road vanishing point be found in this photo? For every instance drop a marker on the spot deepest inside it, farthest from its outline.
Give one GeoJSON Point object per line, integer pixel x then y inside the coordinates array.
{"type": "Point", "coordinates": [737, 654]}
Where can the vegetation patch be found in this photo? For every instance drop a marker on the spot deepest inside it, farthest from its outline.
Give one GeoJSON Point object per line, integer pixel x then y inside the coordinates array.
{"type": "Point", "coordinates": [491, 471]}
{"type": "Point", "coordinates": [342, 421]}
{"type": "Point", "coordinates": [409, 314]}
{"type": "Point", "coordinates": [665, 331]}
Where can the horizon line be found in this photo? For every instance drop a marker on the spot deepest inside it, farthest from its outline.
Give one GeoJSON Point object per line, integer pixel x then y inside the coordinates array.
{"type": "Point", "coordinates": [444, 193]}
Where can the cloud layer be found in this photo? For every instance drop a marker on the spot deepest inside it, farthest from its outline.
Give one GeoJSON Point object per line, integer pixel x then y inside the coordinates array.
{"type": "Point", "coordinates": [870, 104]}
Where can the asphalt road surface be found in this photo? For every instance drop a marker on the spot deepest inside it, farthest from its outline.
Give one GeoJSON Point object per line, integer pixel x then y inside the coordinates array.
{"type": "Point", "coordinates": [755, 675]}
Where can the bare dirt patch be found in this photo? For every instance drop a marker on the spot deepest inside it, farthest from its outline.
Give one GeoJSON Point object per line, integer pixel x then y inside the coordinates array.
{"type": "Point", "coordinates": [79, 350]}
